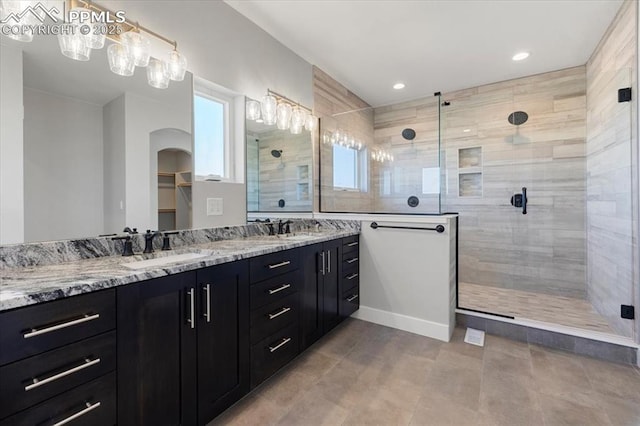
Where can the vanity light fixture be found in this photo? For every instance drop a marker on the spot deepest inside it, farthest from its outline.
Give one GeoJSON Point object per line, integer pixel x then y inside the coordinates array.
{"type": "Point", "coordinates": [399, 86]}
{"type": "Point", "coordinates": [131, 47]}
{"type": "Point", "coordinates": [520, 56]}
{"type": "Point", "coordinates": [381, 156]}
{"type": "Point", "coordinates": [281, 111]}
{"type": "Point", "coordinates": [343, 138]}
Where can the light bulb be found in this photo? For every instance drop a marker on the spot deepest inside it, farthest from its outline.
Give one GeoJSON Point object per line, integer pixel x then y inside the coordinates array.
{"type": "Point", "coordinates": [311, 122]}
{"type": "Point", "coordinates": [283, 116]}
{"type": "Point", "coordinates": [253, 109]}
{"type": "Point", "coordinates": [298, 117]}
{"type": "Point", "coordinates": [268, 107]}
{"type": "Point", "coordinates": [177, 65]}
{"type": "Point", "coordinates": [139, 47]}
{"type": "Point", "coordinates": [158, 74]}
{"type": "Point", "coordinates": [120, 60]}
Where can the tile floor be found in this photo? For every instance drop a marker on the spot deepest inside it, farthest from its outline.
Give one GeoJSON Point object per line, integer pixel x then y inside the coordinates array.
{"type": "Point", "coordinates": [362, 373]}
{"type": "Point", "coordinates": [535, 306]}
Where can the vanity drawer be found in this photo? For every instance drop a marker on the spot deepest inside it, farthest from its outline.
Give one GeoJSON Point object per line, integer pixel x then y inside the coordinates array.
{"type": "Point", "coordinates": [35, 329]}
{"type": "Point", "coordinates": [32, 380]}
{"type": "Point", "coordinates": [350, 279]}
{"type": "Point", "coordinates": [271, 265]}
{"type": "Point", "coordinates": [273, 289]}
{"type": "Point", "coordinates": [350, 260]}
{"type": "Point", "coordinates": [272, 353]}
{"type": "Point", "coordinates": [350, 245]}
{"type": "Point", "coordinates": [273, 317]}
{"type": "Point", "coordinates": [350, 302]}
{"type": "Point", "coordinates": [92, 404]}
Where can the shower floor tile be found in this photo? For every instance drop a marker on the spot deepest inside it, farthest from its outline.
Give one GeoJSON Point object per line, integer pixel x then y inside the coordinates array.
{"type": "Point", "coordinates": [560, 310]}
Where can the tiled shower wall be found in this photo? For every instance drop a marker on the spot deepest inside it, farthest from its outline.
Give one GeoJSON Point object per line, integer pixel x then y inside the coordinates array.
{"type": "Point", "coordinates": [610, 266]}
{"type": "Point", "coordinates": [544, 250]}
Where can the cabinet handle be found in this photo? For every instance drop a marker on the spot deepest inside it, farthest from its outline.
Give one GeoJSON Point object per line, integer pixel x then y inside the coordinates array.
{"type": "Point", "coordinates": [78, 414]}
{"type": "Point", "coordinates": [352, 298]}
{"type": "Point", "coordinates": [355, 243]}
{"type": "Point", "coordinates": [279, 345]}
{"type": "Point", "coordinates": [322, 270]}
{"type": "Point", "coordinates": [328, 261]}
{"type": "Point", "coordinates": [280, 312]}
{"type": "Point", "coordinates": [352, 276]}
{"type": "Point", "coordinates": [278, 265]}
{"type": "Point", "coordinates": [37, 382]}
{"type": "Point", "coordinates": [192, 307]}
{"type": "Point", "coordinates": [85, 318]}
{"type": "Point", "coordinates": [279, 289]}
{"type": "Point", "coordinates": [207, 312]}
{"type": "Point", "coordinates": [354, 259]}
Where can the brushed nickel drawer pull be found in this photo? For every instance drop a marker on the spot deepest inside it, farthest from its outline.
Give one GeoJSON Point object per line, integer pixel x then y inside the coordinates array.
{"type": "Point", "coordinates": [37, 383]}
{"type": "Point", "coordinates": [352, 244]}
{"type": "Point", "coordinates": [354, 259]}
{"type": "Point", "coordinates": [279, 289]}
{"type": "Point", "coordinates": [192, 308]}
{"type": "Point", "coordinates": [352, 298]}
{"type": "Point", "coordinates": [328, 261]}
{"type": "Point", "coordinates": [280, 312]}
{"type": "Point", "coordinates": [35, 332]}
{"type": "Point", "coordinates": [352, 276]}
{"type": "Point", "coordinates": [279, 345]}
{"type": "Point", "coordinates": [207, 312]}
{"type": "Point", "coordinates": [277, 265]}
{"type": "Point", "coordinates": [78, 414]}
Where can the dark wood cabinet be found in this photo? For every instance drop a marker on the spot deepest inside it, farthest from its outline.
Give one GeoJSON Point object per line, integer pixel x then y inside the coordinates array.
{"type": "Point", "coordinates": [223, 338]}
{"type": "Point", "coordinates": [320, 298]}
{"type": "Point", "coordinates": [156, 351]}
{"type": "Point", "coordinates": [183, 346]}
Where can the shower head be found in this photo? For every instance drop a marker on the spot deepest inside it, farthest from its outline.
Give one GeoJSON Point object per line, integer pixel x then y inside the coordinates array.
{"type": "Point", "coordinates": [276, 153]}
{"type": "Point", "coordinates": [518, 117]}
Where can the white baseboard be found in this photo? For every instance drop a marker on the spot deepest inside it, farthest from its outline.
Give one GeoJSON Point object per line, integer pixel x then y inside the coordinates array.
{"type": "Point", "coordinates": [403, 322]}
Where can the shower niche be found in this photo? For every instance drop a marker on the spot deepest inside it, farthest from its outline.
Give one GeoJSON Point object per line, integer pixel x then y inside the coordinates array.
{"type": "Point", "coordinates": [470, 172]}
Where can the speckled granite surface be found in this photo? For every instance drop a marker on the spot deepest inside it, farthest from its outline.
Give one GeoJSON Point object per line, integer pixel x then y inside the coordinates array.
{"type": "Point", "coordinates": [85, 267]}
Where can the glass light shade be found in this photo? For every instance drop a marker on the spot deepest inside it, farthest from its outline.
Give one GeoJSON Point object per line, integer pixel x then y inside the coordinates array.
{"type": "Point", "coordinates": [139, 47]}
{"type": "Point", "coordinates": [253, 109]}
{"type": "Point", "coordinates": [74, 45]}
{"type": "Point", "coordinates": [158, 74]}
{"type": "Point", "coordinates": [269, 106]}
{"type": "Point", "coordinates": [177, 65]}
{"type": "Point", "coordinates": [311, 122]}
{"type": "Point", "coordinates": [283, 116]}
{"type": "Point", "coordinates": [96, 34]}
{"type": "Point", "coordinates": [120, 60]}
{"type": "Point", "coordinates": [298, 116]}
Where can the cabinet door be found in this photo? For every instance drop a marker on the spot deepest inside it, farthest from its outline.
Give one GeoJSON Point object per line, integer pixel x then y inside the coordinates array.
{"type": "Point", "coordinates": [156, 351]}
{"type": "Point", "coordinates": [223, 337]}
{"type": "Point", "coordinates": [311, 295]}
{"type": "Point", "coordinates": [330, 288]}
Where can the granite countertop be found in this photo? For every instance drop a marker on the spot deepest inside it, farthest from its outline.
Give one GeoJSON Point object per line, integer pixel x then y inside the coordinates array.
{"type": "Point", "coordinates": [34, 284]}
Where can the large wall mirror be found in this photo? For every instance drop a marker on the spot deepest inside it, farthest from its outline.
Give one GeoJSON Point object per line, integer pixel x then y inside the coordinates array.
{"type": "Point", "coordinates": [101, 151]}
{"type": "Point", "coordinates": [279, 174]}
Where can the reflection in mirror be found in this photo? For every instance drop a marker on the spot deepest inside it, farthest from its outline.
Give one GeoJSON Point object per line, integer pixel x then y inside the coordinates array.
{"type": "Point", "coordinates": [94, 143]}
{"type": "Point", "coordinates": [279, 176]}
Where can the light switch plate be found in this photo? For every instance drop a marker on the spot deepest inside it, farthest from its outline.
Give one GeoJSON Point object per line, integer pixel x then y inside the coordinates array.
{"type": "Point", "coordinates": [214, 207]}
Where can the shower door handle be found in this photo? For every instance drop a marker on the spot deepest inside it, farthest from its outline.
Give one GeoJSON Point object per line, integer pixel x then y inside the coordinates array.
{"type": "Point", "coordinates": [524, 200]}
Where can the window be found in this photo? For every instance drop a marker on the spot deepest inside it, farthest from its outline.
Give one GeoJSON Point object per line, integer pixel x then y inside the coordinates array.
{"type": "Point", "coordinates": [349, 168]}
{"type": "Point", "coordinates": [209, 119]}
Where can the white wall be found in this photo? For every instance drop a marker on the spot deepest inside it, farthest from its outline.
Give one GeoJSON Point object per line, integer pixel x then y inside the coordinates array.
{"type": "Point", "coordinates": [144, 116]}
{"type": "Point", "coordinates": [62, 160]}
{"type": "Point", "coordinates": [234, 196]}
{"type": "Point", "coordinates": [11, 152]}
{"type": "Point", "coordinates": [114, 165]}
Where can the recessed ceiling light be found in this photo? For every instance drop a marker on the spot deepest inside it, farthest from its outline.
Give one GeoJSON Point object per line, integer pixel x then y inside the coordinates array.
{"type": "Point", "coordinates": [398, 86]}
{"type": "Point", "coordinates": [520, 56]}
{"type": "Point", "coordinates": [466, 130]}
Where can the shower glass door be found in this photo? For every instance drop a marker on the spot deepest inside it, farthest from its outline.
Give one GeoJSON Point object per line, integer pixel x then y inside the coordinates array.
{"type": "Point", "coordinates": [518, 170]}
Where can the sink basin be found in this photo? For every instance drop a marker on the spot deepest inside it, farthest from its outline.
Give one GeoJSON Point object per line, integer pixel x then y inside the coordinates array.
{"type": "Point", "coordinates": [161, 261]}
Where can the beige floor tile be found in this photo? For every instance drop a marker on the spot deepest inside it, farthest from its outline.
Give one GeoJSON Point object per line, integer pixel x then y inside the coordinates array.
{"type": "Point", "coordinates": [314, 409]}
{"type": "Point", "coordinates": [621, 412]}
{"type": "Point", "coordinates": [456, 381]}
{"type": "Point", "coordinates": [561, 412]}
{"type": "Point", "coordinates": [560, 374]}
{"type": "Point", "coordinates": [509, 398]}
{"type": "Point", "coordinates": [250, 411]}
{"type": "Point", "coordinates": [613, 379]}
{"type": "Point", "coordinates": [503, 345]}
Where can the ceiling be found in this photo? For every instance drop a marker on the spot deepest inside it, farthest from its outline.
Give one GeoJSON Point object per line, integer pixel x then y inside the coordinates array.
{"type": "Point", "coordinates": [432, 45]}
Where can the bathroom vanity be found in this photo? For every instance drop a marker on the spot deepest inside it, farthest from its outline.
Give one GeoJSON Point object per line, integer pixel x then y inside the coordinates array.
{"type": "Point", "coordinates": [176, 342]}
